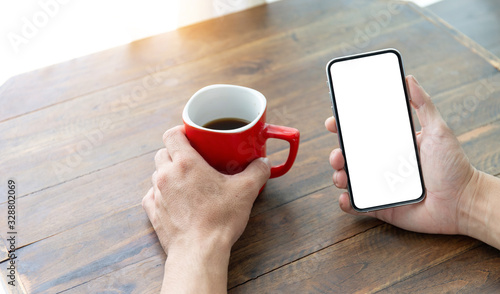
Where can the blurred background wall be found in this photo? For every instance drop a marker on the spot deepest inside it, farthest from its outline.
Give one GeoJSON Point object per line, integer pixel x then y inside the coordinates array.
{"type": "Point", "coordinates": [39, 33]}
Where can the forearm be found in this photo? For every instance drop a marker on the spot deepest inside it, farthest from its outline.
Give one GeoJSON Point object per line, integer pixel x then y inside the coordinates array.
{"type": "Point", "coordinates": [480, 215]}
{"type": "Point", "coordinates": [196, 270]}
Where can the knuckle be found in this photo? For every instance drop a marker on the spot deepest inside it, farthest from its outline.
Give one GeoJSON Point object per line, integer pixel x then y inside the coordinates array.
{"type": "Point", "coordinates": [183, 165]}
{"type": "Point", "coordinates": [248, 184]}
{"type": "Point", "coordinates": [144, 200]}
{"type": "Point", "coordinates": [168, 134]}
{"type": "Point", "coordinates": [162, 180]}
{"type": "Point", "coordinates": [157, 201]}
{"type": "Point", "coordinates": [147, 199]}
{"type": "Point", "coordinates": [159, 154]}
{"type": "Point", "coordinates": [442, 130]}
{"type": "Point", "coordinates": [331, 159]}
{"type": "Point", "coordinates": [184, 161]}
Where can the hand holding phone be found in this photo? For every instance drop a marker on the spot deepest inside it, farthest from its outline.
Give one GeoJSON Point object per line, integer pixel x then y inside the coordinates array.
{"type": "Point", "coordinates": [383, 167]}
{"type": "Point", "coordinates": [458, 197]}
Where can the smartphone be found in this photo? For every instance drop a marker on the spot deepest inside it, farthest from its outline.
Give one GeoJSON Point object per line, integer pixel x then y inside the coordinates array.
{"type": "Point", "coordinates": [371, 106]}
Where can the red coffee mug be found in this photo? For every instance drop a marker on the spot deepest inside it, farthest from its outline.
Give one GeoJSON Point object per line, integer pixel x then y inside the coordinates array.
{"type": "Point", "coordinates": [230, 151]}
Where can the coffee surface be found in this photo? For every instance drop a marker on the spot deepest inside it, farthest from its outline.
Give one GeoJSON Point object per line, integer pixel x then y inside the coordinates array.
{"type": "Point", "coordinates": [227, 123]}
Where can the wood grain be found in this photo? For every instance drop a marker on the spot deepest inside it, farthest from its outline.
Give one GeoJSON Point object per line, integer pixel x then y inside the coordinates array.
{"type": "Point", "coordinates": [354, 265]}
{"type": "Point", "coordinates": [478, 20]}
{"type": "Point", "coordinates": [474, 271]}
{"type": "Point", "coordinates": [470, 106]}
{"type": "Point", "coordinates": [290, 232]}
{"type": "Point", "coordinates": [142, 277]}
{"type": "Point", "coordinates": [487, 160]}
{"type": "Point", "coordinates": [75, 203]}
{"type": "Point", "coordinates": [272, 239]}
{"type": "Point", "coordinates": [88, 251]}
{"type": "Point", "coordinates": [465, 40]}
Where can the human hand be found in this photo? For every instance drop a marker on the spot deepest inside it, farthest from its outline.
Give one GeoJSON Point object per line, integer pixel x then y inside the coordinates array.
{"type": "Point", "coordinates": [446, 171]}
{"type": "Point", "coordinates": [198, 213]}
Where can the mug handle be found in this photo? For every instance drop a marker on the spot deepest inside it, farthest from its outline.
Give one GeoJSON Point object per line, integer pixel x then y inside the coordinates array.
{"type": "Point", "coordinates": [288, 134]}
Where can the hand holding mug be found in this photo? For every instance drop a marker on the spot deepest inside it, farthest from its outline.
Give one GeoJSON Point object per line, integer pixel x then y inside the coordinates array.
{"type": "Point", "coordinates": [191, 205]}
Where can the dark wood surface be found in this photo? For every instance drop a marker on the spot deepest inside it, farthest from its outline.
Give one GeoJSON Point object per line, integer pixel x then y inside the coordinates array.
{"type": "Point", "coordinates": [478, 19]}
{"type": "Point", "coordinates": [80, 137]}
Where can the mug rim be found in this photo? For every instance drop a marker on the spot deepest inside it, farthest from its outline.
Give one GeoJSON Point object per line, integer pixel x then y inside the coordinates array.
{"type": "Point", "coordinates": [187, 120]}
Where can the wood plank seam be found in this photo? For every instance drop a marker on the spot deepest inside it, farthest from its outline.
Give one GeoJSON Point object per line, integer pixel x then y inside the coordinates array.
{"type": "Point", "coordinates": [87, 174]}
{"type": "Point", "coordinates": [457, 35]}
{"type": "Point", "coordinates": [423, 269]}
{"type": "Point", "coordinates": [291, 201]}
{"type": "Point", "coordinates": [4, 259]}
{"type": "Point", "coordinates": [307, 255]}
{"type": "Point", "coordinates": [103, 216]}
{"type": "Point", "coordinates": [476, 245]}
{"type": "Point", "coordinates": [470, 134]}
{"type": "Point", "coordinates": [63, 101]}
{"type": "Point", "coordinates": [132, 80]}
{"type": "Point", "coordinates": [67, 229]}
{"type": "Point", "coordinates": [105, 274]}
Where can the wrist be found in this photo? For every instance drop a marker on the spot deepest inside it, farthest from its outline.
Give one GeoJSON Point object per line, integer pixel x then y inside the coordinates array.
{"type": "Point", "coordinates": [477, 206]}
{"type": "Point", "coordinates": [199, 252]}
{"type": "Point", "coordinates": [469, 205]}
{"type": "Point", "coordinates": [200, 248]}
{"type": "Point", "coordinates": [196, 267]}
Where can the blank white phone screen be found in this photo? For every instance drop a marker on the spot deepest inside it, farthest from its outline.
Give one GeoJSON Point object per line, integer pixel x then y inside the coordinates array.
{"type": "Point", "coordinates": [375, 130]}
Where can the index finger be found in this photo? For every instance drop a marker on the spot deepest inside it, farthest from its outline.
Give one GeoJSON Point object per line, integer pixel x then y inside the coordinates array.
{"type": "Point", "coordinates": [331, 125]}
{"type": "Point", "coordinates": [175, 140]}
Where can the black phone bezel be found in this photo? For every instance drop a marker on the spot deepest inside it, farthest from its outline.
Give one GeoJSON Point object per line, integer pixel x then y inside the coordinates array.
{"type": "Point", "coordinates": [410, 117]}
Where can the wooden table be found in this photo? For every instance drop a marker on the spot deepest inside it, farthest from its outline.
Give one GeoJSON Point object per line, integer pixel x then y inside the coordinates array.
{"type": "Point", "coordinates": [79, 139]}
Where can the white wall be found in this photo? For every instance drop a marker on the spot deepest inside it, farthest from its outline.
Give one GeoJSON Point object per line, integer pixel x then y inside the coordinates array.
{"type": "Point", "coordinates": [38, 33]}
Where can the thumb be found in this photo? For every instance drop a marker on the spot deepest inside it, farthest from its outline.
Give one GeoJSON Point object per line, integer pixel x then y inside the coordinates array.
{"type": "Point", "coordinates": [258, 172]}
{"type": "Point", "coordinates": [426, 110]}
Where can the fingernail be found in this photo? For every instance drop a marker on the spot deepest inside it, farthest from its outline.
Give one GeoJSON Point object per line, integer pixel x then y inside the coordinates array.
{"type": "Point", "coordinates": [266, 161]}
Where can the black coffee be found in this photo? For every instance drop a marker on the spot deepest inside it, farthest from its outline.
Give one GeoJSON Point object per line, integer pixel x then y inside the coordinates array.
{"type": "Point", "coordinates": [228, 123]}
